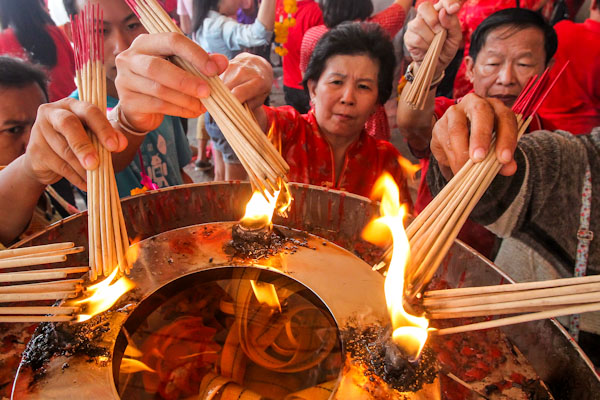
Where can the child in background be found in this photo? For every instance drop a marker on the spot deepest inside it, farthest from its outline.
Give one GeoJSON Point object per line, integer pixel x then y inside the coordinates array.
{"type": "Point", "coordinates": [215, 29]}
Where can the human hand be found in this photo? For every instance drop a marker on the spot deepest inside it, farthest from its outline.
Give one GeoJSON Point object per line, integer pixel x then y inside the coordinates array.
{"type": "Point", "coordinates": [430, 20]}
{"type": "Point", "coordinates": [465, 131]}
{"type": "Point", "coordinates": [59, 145]}
{"type": "Point", "coordinates": [150, 86]}
{"type": "Point", "coordinates": [250, 79]}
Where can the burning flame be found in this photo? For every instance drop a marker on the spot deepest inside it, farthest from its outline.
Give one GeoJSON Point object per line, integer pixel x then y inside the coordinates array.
{"type": "Point", "coordinates": [129, 366]}
{"type": "Point", "coordinates": [266, 294]}
{"type": "Point", "coordinates": [104, 294]}
{"type": "Point", "coordinates": [408, 167]}
{"type": "Point", "coordinates": [410, 332]}
{"type": "Point", "coordinates": [259, 210]}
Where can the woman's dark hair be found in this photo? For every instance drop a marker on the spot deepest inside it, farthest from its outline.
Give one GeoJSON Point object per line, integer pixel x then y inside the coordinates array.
{"type": "Point", "coordinates": [17, 73]}
{"type": "Point", "coordinates": [355, 38]}
{"type": "Point", "coordinates": [29, 20]}
{"type": "Point", "coordinates": [337, 11]}
{"type": "Point", "coordinates": [71, 7]}
{"type": "Point", "coordinates": [200, 11]}
{"type": "Point", "coordinates": [519, 19]}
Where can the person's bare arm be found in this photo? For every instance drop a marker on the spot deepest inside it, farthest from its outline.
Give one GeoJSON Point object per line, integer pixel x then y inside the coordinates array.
{"type": "Point", "coordinates": [416, 125]}
{"type": "Point", "coordinates": [185, 24]}
{"type": "Point", "coordinates": [266, 14]}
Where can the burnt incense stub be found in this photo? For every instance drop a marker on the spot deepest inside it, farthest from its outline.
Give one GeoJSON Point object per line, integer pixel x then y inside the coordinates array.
{"type": "Point", "coordinates": [263, 242]}
{"type": "Point", "coordinates": [373, 348]}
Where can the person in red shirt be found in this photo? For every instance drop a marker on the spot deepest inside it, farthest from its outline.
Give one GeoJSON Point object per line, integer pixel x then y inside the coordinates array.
{"type": "Point", "coordinates": [337, 11]}
{"type": "Point", "coordinates": [350, 72]}
{"type": "Point", "coordinates": [507, 49]}
{"type": "Point", "coordinates": [30, 34]}
{"type": "Point", "coordinates": [308, 15]}
{"type": "Point", "coordinates": [574, 103]}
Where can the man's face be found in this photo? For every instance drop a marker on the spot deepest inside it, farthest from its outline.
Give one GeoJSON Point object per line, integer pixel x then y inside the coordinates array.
{"type": "Point", "coordinates": [18, 108]}
{"type": "Point", "coordinates": [506, 61]}
{"type": "Point", "coordinates": [121, 27]}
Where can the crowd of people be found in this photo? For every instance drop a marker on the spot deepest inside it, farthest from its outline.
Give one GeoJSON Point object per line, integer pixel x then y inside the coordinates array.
{"type": "Point", "coordinates": [339, 70]}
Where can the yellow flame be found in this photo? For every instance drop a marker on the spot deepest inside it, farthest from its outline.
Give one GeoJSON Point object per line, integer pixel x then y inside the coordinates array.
{"type": "Point", "coordinates": [410, 332]}
{"type": "Point", "coordinates": [259, 210]}
{"type": "Point", "coordinates": [408, 167]}
{"type": "Point", "coordinates": [104, 294]}
{"type": "Point", "coordinates": [284, 199]}
{"type": "Point", "coordinates": [266, 294]}
{"type": "Point", "coordinates": [130, 366]}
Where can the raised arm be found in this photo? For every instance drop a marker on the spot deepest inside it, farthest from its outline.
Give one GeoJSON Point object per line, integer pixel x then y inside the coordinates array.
{"type": "Point", "coordinates": [416, 125]}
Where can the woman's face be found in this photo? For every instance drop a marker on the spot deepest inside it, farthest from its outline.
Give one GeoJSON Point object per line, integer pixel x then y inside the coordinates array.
{"type": "Point", "coordinates": [345, 95]}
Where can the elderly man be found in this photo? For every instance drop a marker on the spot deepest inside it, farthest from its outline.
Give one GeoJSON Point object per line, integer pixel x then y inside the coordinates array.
{"type": "Point", "coordinates": [507, 49]}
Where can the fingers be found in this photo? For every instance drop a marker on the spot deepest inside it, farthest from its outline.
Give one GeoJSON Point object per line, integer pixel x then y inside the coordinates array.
{"type": "Point", "coordinates": [162, 45]}
{"type": "Point", "coordinates": [481, 116]}
{"type": "Point", "coordinates": [250, 79]}
{"type": "Point", "coordinates": [506, 136]}
{"type": "Point", "coordinates": [458, 138]}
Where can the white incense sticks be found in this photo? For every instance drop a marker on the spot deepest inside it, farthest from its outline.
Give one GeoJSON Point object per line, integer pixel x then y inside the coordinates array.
{"type": "Point", "coordinates": [107, 235]}
{"type": "Point", "coordinates": [266, 168]}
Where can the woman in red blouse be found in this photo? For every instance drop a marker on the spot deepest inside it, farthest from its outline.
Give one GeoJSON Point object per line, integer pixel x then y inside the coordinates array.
{"type": "Point", "coordinates": [349, 74]}
{"type": "Point", "coordinates": [29, 33]}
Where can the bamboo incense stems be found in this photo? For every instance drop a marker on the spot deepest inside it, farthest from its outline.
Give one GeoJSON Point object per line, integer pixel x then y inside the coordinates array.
{"type": "Point", "coordinates": [108, 241]}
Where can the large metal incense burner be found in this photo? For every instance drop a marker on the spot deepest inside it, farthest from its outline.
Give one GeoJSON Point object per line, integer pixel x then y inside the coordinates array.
{"type": "Point", "coordinates": [183, 235]}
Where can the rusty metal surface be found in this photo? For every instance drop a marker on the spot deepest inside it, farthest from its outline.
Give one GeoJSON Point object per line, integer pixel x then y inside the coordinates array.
{"type": "Point", "coordinates": [340, 217]}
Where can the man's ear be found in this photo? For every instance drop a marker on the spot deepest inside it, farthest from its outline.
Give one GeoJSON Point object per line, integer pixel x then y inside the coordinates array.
{"type": "Point", "coordinates": [470, 64]}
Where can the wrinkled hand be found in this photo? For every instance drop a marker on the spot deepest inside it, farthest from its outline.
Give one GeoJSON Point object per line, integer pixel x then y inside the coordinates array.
{"type": "Point", "coordinates": [250, 79]}
{"type": "Point", "coordinates": [150, 86]}
{"type": "Point", "coordinates": [422, 29]}
{"type": "Point", "coordinates": [452, 144]}
{"type": "Point", "coordinates": [59, 145]}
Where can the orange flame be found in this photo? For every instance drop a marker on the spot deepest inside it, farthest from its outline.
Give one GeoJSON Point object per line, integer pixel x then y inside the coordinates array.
{"type": "Point", "coordinates": [408, 167]}
{"type": "Point", "coordinates": [259, 210]}
{"type": "Point", "coordinates": [103, 295]}
{"type": "Point", "coordinates": [410, 332]}
{"type": "Point", "coordinates": [266, 294]}
{"type": "Point", "coordinates": [130, 366]}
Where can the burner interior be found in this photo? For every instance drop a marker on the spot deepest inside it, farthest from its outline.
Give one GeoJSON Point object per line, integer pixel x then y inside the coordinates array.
{"type": "Point", "coordinates": [208, 327]}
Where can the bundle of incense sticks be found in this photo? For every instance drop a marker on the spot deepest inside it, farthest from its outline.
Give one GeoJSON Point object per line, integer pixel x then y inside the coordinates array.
{"type": "Point", "coordinates": [108, 242]}
{"type": "Point", "coordinates": [48, 283]}
{"type": "Point", "coordinates": [266, 168]}
{"type": "Point", "coordinates": [433, 231]}
{"type": "Point", "coordinates": [416, 93]}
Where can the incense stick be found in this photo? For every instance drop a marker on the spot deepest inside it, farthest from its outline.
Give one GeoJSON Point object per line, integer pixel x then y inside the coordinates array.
{"type": "Point", "coordinates": [106, 234]}
{"type": "Point", "coordinates": [553, 313]}
{"type": "Point", "coordinates": [266, 168]}
{"type": "Point", "coordinates": [35, 249]}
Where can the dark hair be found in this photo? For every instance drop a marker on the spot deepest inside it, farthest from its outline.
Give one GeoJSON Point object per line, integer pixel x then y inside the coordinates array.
{"type": "Point", "coordinates": [355, 38]}
{"type": "Point", "coordinates": [17, 73]}
{"type": "Point", "coordinates": [200, 11]}
{"type": "Point", "coordinates": [71, 7]}
{"type": "Point", "coordinates": [29, 20]}
{"type": "Point", "coordinates": [337, 11]}
{"type": "Point", "coordinates": [518, 18]}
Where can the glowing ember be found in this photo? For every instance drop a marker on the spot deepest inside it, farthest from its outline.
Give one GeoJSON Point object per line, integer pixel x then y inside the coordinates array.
{"type": "Point", "coordinates": [266, 294]}
{"type": "Point", "coordinates": [259, 211]}
{"type": "Point", "coordinates": [104, 294]}
{"type": "Point", "coordinates": [410, 332]}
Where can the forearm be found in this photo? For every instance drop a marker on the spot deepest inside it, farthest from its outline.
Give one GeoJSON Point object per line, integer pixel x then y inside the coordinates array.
{"type": "Point", "coordinates": [19, 195]}
{"type": "Point", "coordinates": [416, 125]}
{"type": "Point", "coordinates": [186, 24]}
{"type": "Point", "coordinates": [266, 14]}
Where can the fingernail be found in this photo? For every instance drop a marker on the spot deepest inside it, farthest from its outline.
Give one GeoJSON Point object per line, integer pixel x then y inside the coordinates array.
{"type": "Point", "coordinates": [505, 156]}
{"type": "Point", "coordinates": [478, 154]}
{"type": "Point", "coordinates": [90, 161]}
{"type": "Point", "coordinates": [211, 68]}
{"type": "Point", "coordinates": [112, 145]}
{"type": "Point", "coordinates": [454, 7]}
